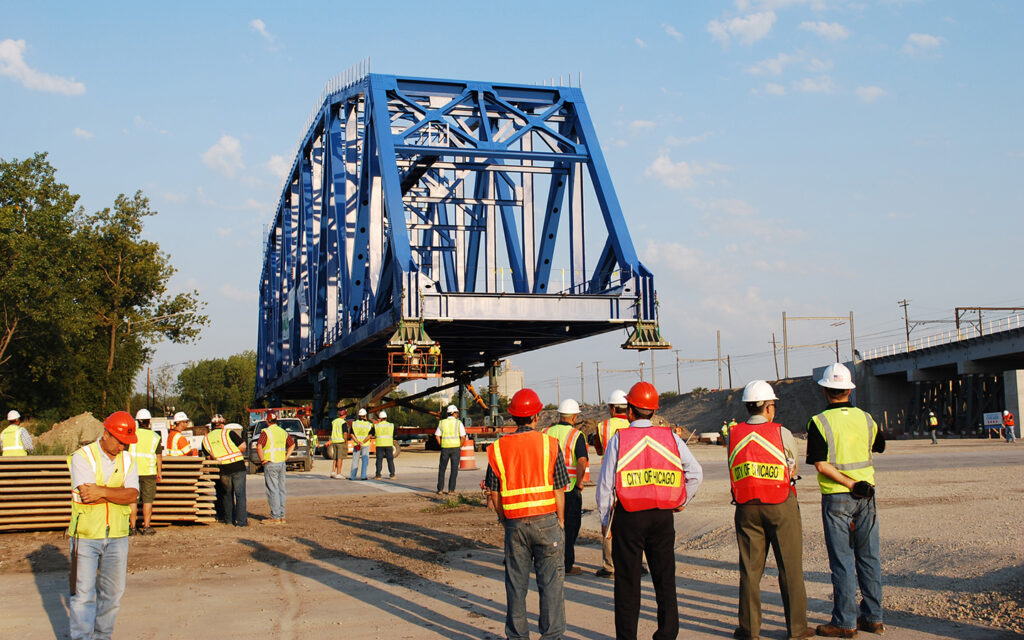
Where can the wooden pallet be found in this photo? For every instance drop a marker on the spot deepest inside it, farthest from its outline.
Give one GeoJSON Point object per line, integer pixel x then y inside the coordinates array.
{"type": "Point", "coordinates": [35, 493]}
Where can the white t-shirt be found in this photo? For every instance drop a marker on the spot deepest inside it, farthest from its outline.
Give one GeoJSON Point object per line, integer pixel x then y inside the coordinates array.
{"type": "Point", "coordinates": [82, 473]}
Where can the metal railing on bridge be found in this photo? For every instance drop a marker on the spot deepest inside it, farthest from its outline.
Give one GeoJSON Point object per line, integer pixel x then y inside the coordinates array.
{"type": "Point", "coordinates": [946, 337]}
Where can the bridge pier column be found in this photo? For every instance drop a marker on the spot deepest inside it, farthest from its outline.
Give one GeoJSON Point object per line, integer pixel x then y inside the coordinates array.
{"type": "Point", "coordinates": [1013, 393]}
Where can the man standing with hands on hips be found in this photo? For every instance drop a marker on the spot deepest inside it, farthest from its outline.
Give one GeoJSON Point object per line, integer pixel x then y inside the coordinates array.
{"type": "Point", "coordinates": [647, 474]}
{"type": "Point", "coordinates": [840, 442]}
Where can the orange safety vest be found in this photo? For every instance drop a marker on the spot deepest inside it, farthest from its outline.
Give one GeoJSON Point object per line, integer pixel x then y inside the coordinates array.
{"type": "Point", "coordinates": [1008, 420]}
{"type": "Point", "coordinates": [758, 469]}
{"type": "Point", "coordinates": [178, 445]}
{"type": "Point", "coordinates": [525, 464]}
{"type": "Point", "coordinates": [608, 428]}
{"type": "Point", "coordinates": [649, 473]}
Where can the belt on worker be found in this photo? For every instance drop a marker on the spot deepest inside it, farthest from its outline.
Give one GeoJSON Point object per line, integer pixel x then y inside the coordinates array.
{"type": "Point", "coordinates": [536, 518]}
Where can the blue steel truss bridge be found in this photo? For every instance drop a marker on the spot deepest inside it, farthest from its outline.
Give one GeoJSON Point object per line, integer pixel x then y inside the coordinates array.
{"type": "Point", "coordinates": [432, 227]}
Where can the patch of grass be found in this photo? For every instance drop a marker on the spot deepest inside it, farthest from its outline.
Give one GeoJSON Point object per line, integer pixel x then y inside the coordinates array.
{"type": "Point", "coordinates": [55, 449]}
{"type": "Point", "coordinates": [456, 501]}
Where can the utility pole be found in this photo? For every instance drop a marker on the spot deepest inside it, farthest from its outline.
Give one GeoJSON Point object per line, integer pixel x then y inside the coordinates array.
{"type": "Point", "coordinates": [719, 335]}
{"type": "Point", "coordinates": [906, 319]}
{"type": "Point", "coordinates": [679, 389]}
{"type": "Point", "coordinates": [558, 385]}
{"type": "Point", "coordinates": [728, 362]}
{"type": "Point", "coordinates": [149, 398]}
{"type": "Point", "coordinates": [775, 352]}
{"type": "Point", "coordinates": [653, 381]}
{"type": "Point", "coordinates": [785, 345]}
{"type": "Point", "coordinates": [582, 401]}
{"type": "Point", "coordinates": [597, 369]}
{"type": "Point", "coordinates": [837, 350]}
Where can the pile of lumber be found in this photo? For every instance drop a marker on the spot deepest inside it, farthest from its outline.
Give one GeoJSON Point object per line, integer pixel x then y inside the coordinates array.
{"type": "Point", "coordinates": [35, 493]}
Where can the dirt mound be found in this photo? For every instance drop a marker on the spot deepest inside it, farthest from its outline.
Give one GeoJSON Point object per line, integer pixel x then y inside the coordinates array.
{"type": "Point", "coordinates": [72, 433]}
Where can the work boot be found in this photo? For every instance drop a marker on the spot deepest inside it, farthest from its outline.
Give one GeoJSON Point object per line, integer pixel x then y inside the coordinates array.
{"type": "Point", "coordinates": [832, 631]}
{"type": "Point", "coordinates": [132, 531]}
{"type": "Point", "coordinates": [870, 627]}
{"type": "Point", "coordinates": [808, 633]}
{"type": "Point", "coordinates": [147, 531]}
{"type": "Point", "coordinates": [741, 634]}
{"type": "Point", "coordinates": [573, 571]}
{"type": "Point", "coordinates": [604, 573]}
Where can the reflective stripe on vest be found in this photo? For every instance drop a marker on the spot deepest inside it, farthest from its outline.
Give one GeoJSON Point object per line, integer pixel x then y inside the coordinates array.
{"type": "Point", "coordinates": [338, 430]}
{"type": "Point", "coordinates": [1008, 420]}
{"type": "Point", "coordinates": [849, 434]}
{"type": "Point", "coordinates": [361, 429]}
{"type": "Point", "coordinates": [276, 449]}
{"type": "Point", "coordinates": [933, 421]}
{"type": "Point", "coordinates": [178, 445]}
{"type": "Point", "coordinates": [609, 427]}
{"type": "Point", "coordinates": [144, 451]}
{"type": "Point", "coordinates": [224, 451]}
{"type": "Point", "coordinates": [10, 439]}
{"type": "Point", "coordinates": [104, 519]}
{"type": "Point", "coordinates": [385, 433]}
{"type": "Point", "coordinates": [525, 465]}
{"type": "Point", "coordinates": [451, 435]}
{"type": "Point", "coordinates": [566, 436]}
{"type": "Point", "coordinates": [758, 469]}
{"type": "Point", "coordinates": [649, 473]}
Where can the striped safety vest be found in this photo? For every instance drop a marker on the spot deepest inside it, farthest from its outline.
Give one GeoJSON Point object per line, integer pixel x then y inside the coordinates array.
{"type": "Point", "coordinates": [608, 428]}
{"type": "Point", "coordinates": [10, 440]}
{"type": "Point", "coordinates": [144, 451]}
{"type": "Point", "coordinates": [758, 468]}
{"type": "Point", "coordinates": [849, 434]}
{"type": "Point", "coordinates": [525, 465]}
{"type": "Point", "coordinates": [276, 449]}
{"type": "Point", "coordinates": [224, 451]}
{"type": "Point", "coordinates": [178, 445]}
{"type": "Point", "coordinates": [451, 434]}
{"type": "Point", "coordinates": [566, 436]}
{"type": "Point", "coordinates": [385, 433]}
{"type": "Point", "coordinates": [103, 519]}
{"type": "Point", "coordinates": [361, 429]}
{"type": "Point", "coordinates": [338, 430]}
{"type": "Point", "coordinates": [649, 473]}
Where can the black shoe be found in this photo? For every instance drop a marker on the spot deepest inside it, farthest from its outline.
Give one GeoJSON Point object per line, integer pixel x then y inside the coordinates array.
{"type": "Point", "coordinates": [740, 634]}
{"type": "Point", "coordinates": [147, 531]}
{"type": "Point", "coordinates": [604, 573]}
{"type": "Point", "coordinates": [132, 531]}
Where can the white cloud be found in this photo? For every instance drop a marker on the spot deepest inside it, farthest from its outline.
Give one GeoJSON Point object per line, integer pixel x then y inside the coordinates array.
{"type": "Point", "coordinates": [870, 94]}
{"type": "Point", "coordinates": [640, 43]}
{"type": "Point", "coordinates": [682, 174]}
{"type": "Point", "coordinates": [673, 141]}
{"type": "Point", "coordinates": [224, 232]}
{"type": "Point", "coordinates": [819, 66]}
{"type": "Point", "coordinates": [772, 66]}
{"type": "Point", "coordinates": [79, 132]}
{"type": "Point", "coordinates": [774, 89]}
{"type": "Point", "coordinates": [748, 29]}
{"type": "Point", "coordinates": [687, 264]}
{"type": "Point", "coordinates": [641, 125]}
{"type": "Point", "coordinates": [175, 197]}
{"type": "Point", "coordinates": [278, 166]}
{"type": "Point", "coordinates": [828, 30]}
{"type": "Point", "coordinates": [231, 292]}
{"type": "Point", "coordinates": [12, 65]}
{"type": "Point", "coordinates": [225, 156]}
{"type": "Point", "coordinates": [260, 27]}
{"type": "Point", "coordinates": [256, 205]}
{"type": "Point", "coordinates": [920, 42]}
{"type": "Point", "coordinates": [821, 84]}
{"type": "Point", "coordinates": [672, 31]}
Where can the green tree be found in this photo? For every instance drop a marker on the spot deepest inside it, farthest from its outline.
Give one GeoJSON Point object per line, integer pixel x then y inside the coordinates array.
{"type": "Point", "coordinates": [219, 385]}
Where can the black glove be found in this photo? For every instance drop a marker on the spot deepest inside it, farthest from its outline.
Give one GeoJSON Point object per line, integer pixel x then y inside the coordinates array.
{"type": "Point", "coordinates": [862, 489]}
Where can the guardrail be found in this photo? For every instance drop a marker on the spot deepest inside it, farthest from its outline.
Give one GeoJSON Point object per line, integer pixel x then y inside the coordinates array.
{"type": "Point", "coordinates": [946, 337]}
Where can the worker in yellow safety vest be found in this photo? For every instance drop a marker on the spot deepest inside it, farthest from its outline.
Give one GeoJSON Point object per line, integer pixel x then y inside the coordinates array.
{"type": "Point", "coordinates": [227, 449]}
{"type": "Point", "coordinates": [605, 430]}
{"type": "Point", "coordinates": [361, 429]}
{"type": "Point", "coordinates": [449, 434]}
{"type": "Point", "coordinates": [338, 447]}
{"type": "Point", "coordinates": [273, 448]}
{"type": "Point", "coordinates": [574, 450]}
{"type": "Point", "coordinates": [104, 483]}
{"type": "Point", "coordinates": [15, 439]}
{"type": "Point", "coordinates": [146, 453]}
{"type": "Point", "coordinates": [933, 426]}
{"type": "Point", "coordinates": [384, 433]}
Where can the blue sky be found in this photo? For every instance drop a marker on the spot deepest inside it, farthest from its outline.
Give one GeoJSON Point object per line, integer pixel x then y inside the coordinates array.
{"type": "Point", "coordinates": [814, 157]}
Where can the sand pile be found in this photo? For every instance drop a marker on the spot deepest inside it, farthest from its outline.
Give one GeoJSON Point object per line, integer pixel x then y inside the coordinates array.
{"type": "Point", "coordinates": [73, 432]}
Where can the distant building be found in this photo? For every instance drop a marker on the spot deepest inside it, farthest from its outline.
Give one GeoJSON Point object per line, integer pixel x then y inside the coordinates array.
{"type": "Point", "coordinates": [510, 380]}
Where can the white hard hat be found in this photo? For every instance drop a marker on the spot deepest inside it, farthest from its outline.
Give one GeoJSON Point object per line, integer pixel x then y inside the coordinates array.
{"type": "Point", "coordinates": [568, 407]}
{"type": "Point", "coordinates": [837, 376]}
{"type": "Point", "coordinates": [1006, 412]}
{"type": "Point", "coordinates": [179, 417]}
{"type": "Point", "coordinates": [13, 415]}
{"type": "Point", "coordinates": [362, 413]}
{"type": "Point", "coordinates": [382, 414]}
{"type": "Point", "coordinates": [758, 391]}
{"type": "Point", "coordinates": [452, 409]}
{"type": "Point", "coordinates": [143, 414]}
{"type": "Point", "coordinates": [618, 398]}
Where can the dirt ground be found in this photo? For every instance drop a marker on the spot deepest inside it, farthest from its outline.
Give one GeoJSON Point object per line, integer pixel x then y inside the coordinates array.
{"type": "Point", "coordinates": [409, 565]}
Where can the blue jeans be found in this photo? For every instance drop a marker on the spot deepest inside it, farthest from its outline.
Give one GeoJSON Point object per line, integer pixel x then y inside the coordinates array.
{"type": "Point", "coordinates": [852, 557]}
{"type": "Point", "coordinates": [363, 455]}
{"type": "Point", "coordinates": [232, 508]}
{"type": "Point", "coordinates": [536, 543]}
{"type": "Point", "coordinates": [273, 476]}
{"type": "Point", "coordinates": [102, 569]}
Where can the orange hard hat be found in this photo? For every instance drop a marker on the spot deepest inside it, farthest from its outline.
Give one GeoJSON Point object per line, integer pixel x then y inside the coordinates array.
{"type": "Point", "coordinates": [525, 403]}
{"type": "Point", "coordinates": [643, 395]}
{"type": "Point", "coordinates": [121, 425]}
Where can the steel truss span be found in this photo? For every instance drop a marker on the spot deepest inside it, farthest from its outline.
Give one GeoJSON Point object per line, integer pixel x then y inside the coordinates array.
{"type": "Point", "coordinates": [457, 205]}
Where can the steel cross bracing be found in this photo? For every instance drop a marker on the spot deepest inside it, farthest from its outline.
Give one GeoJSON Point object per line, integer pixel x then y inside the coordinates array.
{"type": "Point", "coordinates": [457, 203]}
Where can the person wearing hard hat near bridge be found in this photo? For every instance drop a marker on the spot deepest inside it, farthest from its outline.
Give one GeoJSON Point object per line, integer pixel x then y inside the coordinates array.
{"type": "Point", "coordinates": [526, 480]}
{"type": "Point", "coordinates": [384, 432]}
{"type": "Point", "coordinates": [1008, 427]}
{"type": "Point", "coordinates": [933, 426]}
{"type": "Point", "coordinates": [146, 453]}
{"type": "Point", "coordinates": [574, 451]}
{"type": "Point", "coordinates": [273, 448]}
{"type": "Point", "coordinates": [339, 428]}
{"type": "Point", "coordinates": [105, 483]}
{"type": "Point", "coordinates": [840, 442]}
{"type": "Point", "coordinates": [361, 428]}
{"type": "Point", "coordinates": [15, 439]}
{"type": "Point", "coordinates": [227, 449]}
{"type": "Point", "coordinates": [177, 443]}
{"type": "Point", "coordinates": [762, 476]}
{"type": "Point", "coordinates": [647, 474]}
{"type": "Point", "coordinates": [449, 434]}
{"type": "Point", "coordinates": [616, 420]}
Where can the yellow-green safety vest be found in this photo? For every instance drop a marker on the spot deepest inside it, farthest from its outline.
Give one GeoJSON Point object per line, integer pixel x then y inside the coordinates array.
{"type": "Point", "coordinates": [276, 449]}
{"type": "Point", "coordinates": [451, 435]}
{"type": "Point", "coordinates": [933, 421]}
{"type": "Point", "coordinates": [224, 451]}
{"type": "Point", "coordinates": [849, 434]}
{"type": "Point", "coordinates": [562, 433]}
{"type": "Point", "coordinates": [103, 519]}
{"type": "Point", "coordinates": [338, 430]}
{"type": "Point", "coordinates": [10, 438]}
{"type": "Point", "coordinates": [385, 432]}
{"type": "Point", "coordinates": [361, 429]}
{"type": "Point", "coordinates": [144, 451]}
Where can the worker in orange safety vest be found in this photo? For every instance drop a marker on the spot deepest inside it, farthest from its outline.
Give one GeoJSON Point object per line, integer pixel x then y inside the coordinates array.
{"type": "Point", "coordinates": [177, 443]}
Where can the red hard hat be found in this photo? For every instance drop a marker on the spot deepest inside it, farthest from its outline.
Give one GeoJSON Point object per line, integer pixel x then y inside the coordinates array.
{"type": "Point", "coordinates": [525, 403]}
{"type": "Point", "coordinates": [643, 395]}
{"type": "Point", "coordinates": [121, 425]}
{"type": "Point", "coordinates": [271, 417]}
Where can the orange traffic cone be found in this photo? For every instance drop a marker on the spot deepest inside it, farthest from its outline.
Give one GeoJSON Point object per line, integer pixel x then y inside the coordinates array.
{"type": "Point", "coordinates": [468, 459]}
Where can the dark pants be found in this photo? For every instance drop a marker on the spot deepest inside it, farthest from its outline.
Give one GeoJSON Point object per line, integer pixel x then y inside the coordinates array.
{"type": "Point", "coordinates": [573, 515]}
{"type": "Point", "coordinates": [449, 455]}
{"type": "Point", "coordinates": [759, 526]}
{"type": "Point", "coordinates": [386, 453]}
{"type": "Point", "coordinates": [635, 534]}
{"type": "Point", "coordinates": [232, 498]}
